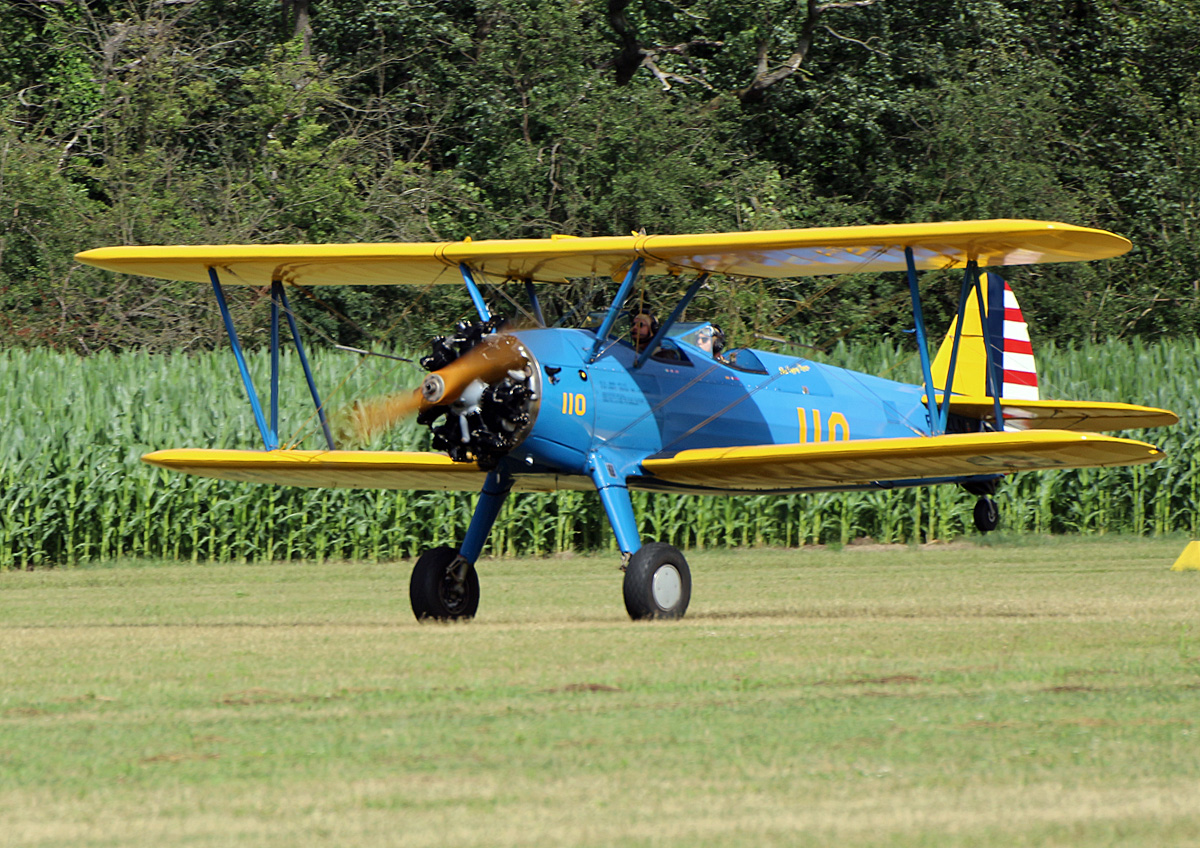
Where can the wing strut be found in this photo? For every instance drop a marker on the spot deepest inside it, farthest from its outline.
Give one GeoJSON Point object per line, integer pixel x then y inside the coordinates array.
{"type": "Point", "coordinates": [989, 355]}
{"type": "Point", "coordinates": [922, 344]}
{"type": "Point", "coordinates": [534, 302]}
{"type": "Point", "coordinates": [282, 298]}
{"type": "Point", "coordinates": [276, 290]}
{"type": "Point", "coordinates": [474, 292]}
{"type": "Point", "coordinates": [970, 279]}
{"type": "Point", "coordinates": [939, 414]}
{"type": "Point", "coordinates": [279, 303]}
{"type": "Point", "coordinates": [973, 283]}
{"type": "Point", "coordinates": [269, 436]}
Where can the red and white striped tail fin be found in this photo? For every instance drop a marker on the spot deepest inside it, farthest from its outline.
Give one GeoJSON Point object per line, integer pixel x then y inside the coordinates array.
{"type": "Point", "coordinates": [1011, 365]}
{"type": "Point", "coordinates": [1019, 371]}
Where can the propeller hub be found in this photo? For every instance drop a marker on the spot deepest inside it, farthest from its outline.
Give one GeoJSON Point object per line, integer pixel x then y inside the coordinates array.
{"type": "Point", "coordinates": [493, 358]}
{"type": "Point", "coordinates": [433, 389]}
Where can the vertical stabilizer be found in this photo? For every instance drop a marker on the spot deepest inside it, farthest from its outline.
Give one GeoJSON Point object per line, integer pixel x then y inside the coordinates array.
{"type": "Point", "coordinates": [1012, 364]}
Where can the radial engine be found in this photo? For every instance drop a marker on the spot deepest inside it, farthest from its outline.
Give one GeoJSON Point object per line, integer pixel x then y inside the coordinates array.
{"type": "Point", "coordinates": [482, 394]}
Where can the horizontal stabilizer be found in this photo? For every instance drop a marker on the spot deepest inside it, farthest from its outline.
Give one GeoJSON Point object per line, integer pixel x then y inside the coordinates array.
{"type": "Point", "coordinates": [865, 461]}
{"type": "Point", "coordinates": [1092, 416]}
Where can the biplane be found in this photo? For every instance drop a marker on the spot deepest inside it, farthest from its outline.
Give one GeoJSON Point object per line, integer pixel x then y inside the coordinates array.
{"type": "Point", "coordinates": [590, 408]}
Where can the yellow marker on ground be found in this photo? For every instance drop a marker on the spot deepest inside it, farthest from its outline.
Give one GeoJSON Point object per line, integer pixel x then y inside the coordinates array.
{"type": "Point", "coordinates": [1189, 560]}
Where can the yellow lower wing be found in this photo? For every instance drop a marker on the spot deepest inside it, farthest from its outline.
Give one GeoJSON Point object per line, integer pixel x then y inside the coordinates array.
{"type": "Point", "coordinates": [1063, 414]}
{"type": "Point", "coordinates": [853, 463]}
{"type": "Point", "coordinates": [326, 469]}
{"type": "Point", "coordinates": [752, 468]}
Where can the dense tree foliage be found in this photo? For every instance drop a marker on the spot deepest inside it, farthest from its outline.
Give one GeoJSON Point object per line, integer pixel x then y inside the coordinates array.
{"type": "Point", "coordinates": [206, 121]}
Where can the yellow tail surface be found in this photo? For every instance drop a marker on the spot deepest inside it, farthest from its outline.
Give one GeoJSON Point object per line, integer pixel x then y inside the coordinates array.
{"type": "Point", "coordinates": [970, 369]}
{"type": "Point", "coordinates": [1013, 370]}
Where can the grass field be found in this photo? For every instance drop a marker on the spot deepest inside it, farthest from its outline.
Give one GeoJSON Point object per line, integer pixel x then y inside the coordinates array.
{"type": "Point", "coordinates": [1003, 695]}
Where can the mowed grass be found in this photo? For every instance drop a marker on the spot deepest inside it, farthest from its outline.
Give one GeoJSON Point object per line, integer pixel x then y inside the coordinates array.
{"type": "Point", "coordinates": [1011, 694]}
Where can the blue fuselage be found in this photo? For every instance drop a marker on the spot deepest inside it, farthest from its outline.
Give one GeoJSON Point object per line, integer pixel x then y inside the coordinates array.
{"type": "Point", "coordinates": [683, 397]}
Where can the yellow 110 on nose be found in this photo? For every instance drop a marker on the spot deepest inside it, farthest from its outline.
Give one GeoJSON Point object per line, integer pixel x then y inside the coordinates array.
{"type": "Point", "coordinates": [574, 404]}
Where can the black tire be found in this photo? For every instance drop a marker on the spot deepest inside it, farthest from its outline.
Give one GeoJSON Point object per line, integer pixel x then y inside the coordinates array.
{"type": "Point", "coordinates": [987, 515]}
{"type": "Point", "coordinates": [658, 583]}
{"type": "Point", "coordinates": [434, 592]}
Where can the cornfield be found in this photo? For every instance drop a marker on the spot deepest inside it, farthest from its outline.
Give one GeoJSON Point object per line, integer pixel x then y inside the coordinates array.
{"type": "Point", "coordinates": [72, 488]}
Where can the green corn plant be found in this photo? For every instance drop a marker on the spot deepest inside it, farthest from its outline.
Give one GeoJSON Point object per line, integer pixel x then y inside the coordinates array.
{"type": "Point", "coordinates": [72, 488]}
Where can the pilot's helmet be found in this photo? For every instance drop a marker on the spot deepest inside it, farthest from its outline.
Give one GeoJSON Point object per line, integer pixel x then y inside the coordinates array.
{"type": "Point", "coordinates": [718, 340]}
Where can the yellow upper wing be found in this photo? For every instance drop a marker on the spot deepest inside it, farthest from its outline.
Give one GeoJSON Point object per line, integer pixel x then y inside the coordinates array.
{"type": "Point", "coordinates": [853, 463]}
{"type": "Point", "coordinates": [769, 253]}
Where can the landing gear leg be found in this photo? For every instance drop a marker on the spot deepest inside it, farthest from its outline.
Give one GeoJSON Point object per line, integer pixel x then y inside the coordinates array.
{"type": "Point", "coordinates": [658, 583]}
{"type": "Point", "coordinates": [987, 514]}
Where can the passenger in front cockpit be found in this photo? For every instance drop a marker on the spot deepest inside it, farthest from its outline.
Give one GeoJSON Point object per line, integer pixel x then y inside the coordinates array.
{"type": "Point", "coordinates": [711, 339]}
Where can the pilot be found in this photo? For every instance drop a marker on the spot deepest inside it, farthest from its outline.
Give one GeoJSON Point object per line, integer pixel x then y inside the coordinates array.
{"type": "Point", "coordinates": [711, 339]}
{"type": "Point", "coordinates": [643, 329]}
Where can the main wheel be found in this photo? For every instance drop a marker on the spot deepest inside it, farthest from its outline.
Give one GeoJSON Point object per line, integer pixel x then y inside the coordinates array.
{"type": "Point", "coordinates": [987, 515]}
{"type": "Point", "coordinates": [441, 592]}
{"type": "Point", "coordinates": [658, 583]}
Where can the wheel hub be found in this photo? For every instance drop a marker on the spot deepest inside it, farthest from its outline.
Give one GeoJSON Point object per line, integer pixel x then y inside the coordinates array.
{"type": "Point", "coordinates": [667, 586]}
{"type": "Point", "coordinates": [454, 594]}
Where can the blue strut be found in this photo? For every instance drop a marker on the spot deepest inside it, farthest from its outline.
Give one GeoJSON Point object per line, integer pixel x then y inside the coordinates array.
{"type": "Point", "coordinates": [623, 292]}
{"type": "Point", "coordinates": [495, 489]}
{"type": "Point", "coordinates": [665, 327]}
{"type": "Point", "coordinates": [270, 440]}
{"type": "Point", "coordinates": [614, 496]}
{"type": "Point", "coordinates": [994, 379]}
{"type": "Point", "coordinates": [970, 278]}
{"type": "Point", "coordinates": [474, 292]}
{"type": "Point", "coordinates": [922, 344]}
{"type": "Point", "coordinates": [308, 374]}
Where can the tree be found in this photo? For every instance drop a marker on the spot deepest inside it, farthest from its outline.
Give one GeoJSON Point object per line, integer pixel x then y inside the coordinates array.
{"type": "Point", "coordinates": [777, 34]}
{"type": "Point", "coordinates": [256, 120]}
